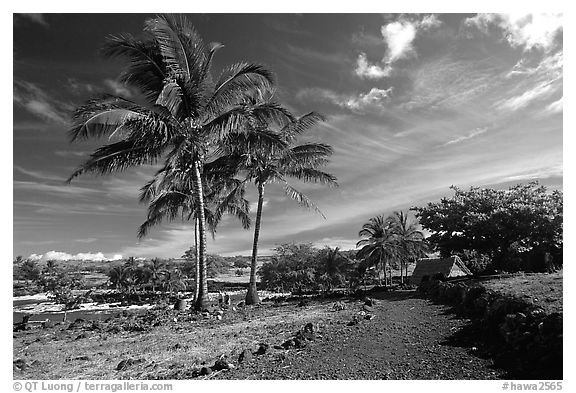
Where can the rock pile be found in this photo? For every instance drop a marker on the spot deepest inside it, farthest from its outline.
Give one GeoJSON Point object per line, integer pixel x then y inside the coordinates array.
{"type": "Point", "coordinates": [520, 336]}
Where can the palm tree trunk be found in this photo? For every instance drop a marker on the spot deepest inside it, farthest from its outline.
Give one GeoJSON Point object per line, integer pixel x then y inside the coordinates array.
{"type": "Point", "coordinates": [202, 296]}
{"type": "Point", "coordinates": [252, 294]}
{"type": "Point", "coordinates": [197, 249]}
{"type": "Point", "coordinates": [401, 272]}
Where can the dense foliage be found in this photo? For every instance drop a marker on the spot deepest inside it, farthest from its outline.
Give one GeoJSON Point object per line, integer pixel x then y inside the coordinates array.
{"type": "Point", "coordinates": [391, 242]}
{"type": "Point", "coordinates": [215, 264]}
{"type": "Point", "coordinates": [517, 229]}
{"type": "Point", "coordinates": [301, 268]}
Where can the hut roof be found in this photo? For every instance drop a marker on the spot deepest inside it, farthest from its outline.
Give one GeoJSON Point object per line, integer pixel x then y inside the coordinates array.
{"type": "Point", "coordinates": [449, 267]}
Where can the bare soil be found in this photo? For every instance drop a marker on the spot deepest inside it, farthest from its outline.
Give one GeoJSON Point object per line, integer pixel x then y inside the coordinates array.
{"type": "Point", "coordinates": [407, 338]}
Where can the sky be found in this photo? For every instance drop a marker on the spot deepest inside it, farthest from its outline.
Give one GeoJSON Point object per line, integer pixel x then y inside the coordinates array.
{"type": "Point", "coordinates": [415, 103]}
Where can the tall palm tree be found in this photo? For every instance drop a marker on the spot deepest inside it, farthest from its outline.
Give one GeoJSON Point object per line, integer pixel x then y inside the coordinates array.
{"type": "Point", "coordinates": [170, 196]}
{"type": "Point", "coordinates": [156, 267]}
{"type": "Point", "coordinates": [409, 239]}
{"type": "Point", "coordinates": [379, 245]}
{"type": "Point", "coordinates": [183, 109]}
{"type": "Point", "coordinates": [260, 159]}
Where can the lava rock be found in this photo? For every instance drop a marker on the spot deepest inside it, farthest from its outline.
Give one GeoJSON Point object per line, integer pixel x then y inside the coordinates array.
{"type": "Point", "coordinates": [124, 364]}
{"type": "Point", "coordinates": [205, 371]}
{"type": "Point", "coordinates": [262, 349]}
{"type": "Point", "coordinates": [222, 364]}
{"type": "Point", "coordinates": [245, 356]}
{"type": "Point", "coordinates": [20, 364]}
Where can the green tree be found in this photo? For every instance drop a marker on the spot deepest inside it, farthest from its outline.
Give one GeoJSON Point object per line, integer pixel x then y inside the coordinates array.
{"type": "Point", "coordinates": [171, 196]}
{"type": "Point", "coordinates": [291, 268]}
{"type": "Point", "coordinates": [333, 268]}
{"type": "Point", "coordinates": [30, 270]}
{"type": "Point", "coordinates": [157, 267]}
{"type": "Point", "coordinates": [215, 264]}
{"type": "Point", "coordinates": [59, 286]}
{"type": "Point", "coordinates": [518, 228]}
{"type": "Point", "coordinates": [264, 164]}
{"type": "Point", "coordinates": [182, 110]}
{"type": "Point", "coordinates": [378, 246]}
{"type": "Point", "coordinates": [409, 239]}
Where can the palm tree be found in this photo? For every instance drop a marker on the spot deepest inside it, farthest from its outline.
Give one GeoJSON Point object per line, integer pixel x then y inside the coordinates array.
{"type": "Point", "coordinates": [117, 276]}
{"type": "Point", "coordinates": [333, 269]}
{"type": "Point", "coordinates": [379, 245]}
{"type": "Point", "coordinates": [170, 196]}
{"type": "Point", "coordinates": [264, 156]}
{"type": "Point", "coordinates": [183, 109]}
{"type": "Point", "coordinates": [409, 238]}
{"type": "Point", "coordinates": [156, 267]}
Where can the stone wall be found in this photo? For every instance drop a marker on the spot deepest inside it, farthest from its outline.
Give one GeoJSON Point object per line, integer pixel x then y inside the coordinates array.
{"type": "Point", "coordinates": [520, 337]}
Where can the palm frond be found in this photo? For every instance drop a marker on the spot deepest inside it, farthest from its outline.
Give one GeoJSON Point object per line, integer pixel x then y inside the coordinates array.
{"type": "Point", "coordinates": [301, 198]}
{"type": "Point", "coordinates": [235, 81]}
{"type": "Point", "coordinates": [145, 69]}
{"type": "Point", "coordinates": [312, 175]}
{"type": "Point", "coordinates": [117, 157]}
{"type": "Point", "coordinates": [103, 116]}
{"type": "Point", "coordinates": [302, 124]}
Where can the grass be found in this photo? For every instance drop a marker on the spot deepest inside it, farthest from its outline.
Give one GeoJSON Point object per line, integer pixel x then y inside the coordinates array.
{"type": "Point", "coordinates": [169, 351]}
{"type": "Point", "coordinates": [541, 289]}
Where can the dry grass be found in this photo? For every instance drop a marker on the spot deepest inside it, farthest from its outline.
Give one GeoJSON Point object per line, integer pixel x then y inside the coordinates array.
{"type": "Point", "coordinates": [171, 351]}
{"type": "Point", "coordinates": [541, 289]}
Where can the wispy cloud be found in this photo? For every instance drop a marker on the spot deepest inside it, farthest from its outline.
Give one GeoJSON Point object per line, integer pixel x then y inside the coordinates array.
{"type": "Point", "coordinates": [118, 88]}
{"type": "Point", "coordinates": [470, 135]}
{"type": "Point", "coordinates": [53, 189]}
{"type": "Point", "coordinates": [555, 107]}
{"type": "Point", "coordinates": [539, 92]}
{"type": "Point", "coordinates": [374, 100]}
{"type": "Point", "coordinates": [36, 18]}
{"type": "Point", "coordinates": [65, 208]}
{"type": "Point", "coordinates": [311, 55]}
{"type": "Point", "coordinates": [36, 101]}
{"type": "Point", "coordinates": [541, 173]}
{"type": "Point", "coordinates": [37, 174]}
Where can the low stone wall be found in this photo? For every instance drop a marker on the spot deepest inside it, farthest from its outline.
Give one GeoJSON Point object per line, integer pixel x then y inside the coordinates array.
{"type": "Point", "coordinates": [520, 337]}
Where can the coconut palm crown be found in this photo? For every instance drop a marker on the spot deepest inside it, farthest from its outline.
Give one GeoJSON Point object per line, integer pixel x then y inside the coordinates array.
{"type": "Point", "coordinates": [182, 109]}
{"type": "Point", "coordinates": [264, 156]}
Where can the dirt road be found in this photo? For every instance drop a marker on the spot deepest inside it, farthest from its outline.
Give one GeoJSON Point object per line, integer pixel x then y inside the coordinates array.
{"type": "Point", "coordinates": [408, 338]}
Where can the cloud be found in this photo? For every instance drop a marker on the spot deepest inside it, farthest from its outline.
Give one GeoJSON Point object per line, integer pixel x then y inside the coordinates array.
{"type": "Point", "coordinates": [472, 134]}
{"type": "Point", "coordinates": [36, 18]}
{"type": "Point", "coordinates": [370, 71]}
{"type": "Point", "coordinates": [53, 188]}
{"type": "Point", "coordinates": [254, 205]}
{"type": "Point", "coordinates": [540, 91]}
{"type": "Point", "coordinates": [555, 107]}
{"type": "Point", "coordinates": [36, 174]}
{"type": "Point", "coordinates": [359, 103]}
{"type": "Point", "coordinates": [527, 31]}
{"type": "Point", "coordinates": [82, 256]}
{"type": "Point", "coordinates": [77, 87]}
{"type": "Point", "coordinates": [118, 88]}
{"type": "Point", "coordinates": [399, 37]}
{"type": "Point", "coordinates": [540, 173]}
{"type": "Point", "coordinates": [311, 55]}
{"type": "Point", "coordinates": [39, 103]}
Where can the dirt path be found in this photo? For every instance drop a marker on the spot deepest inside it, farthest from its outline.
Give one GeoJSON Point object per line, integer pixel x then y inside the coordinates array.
{"type": "Point", "coordinates": [408, 338]}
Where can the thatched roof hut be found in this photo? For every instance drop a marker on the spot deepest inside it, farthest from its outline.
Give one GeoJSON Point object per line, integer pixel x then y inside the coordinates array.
{"type": "Point", "coordinates": [448, 267]}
